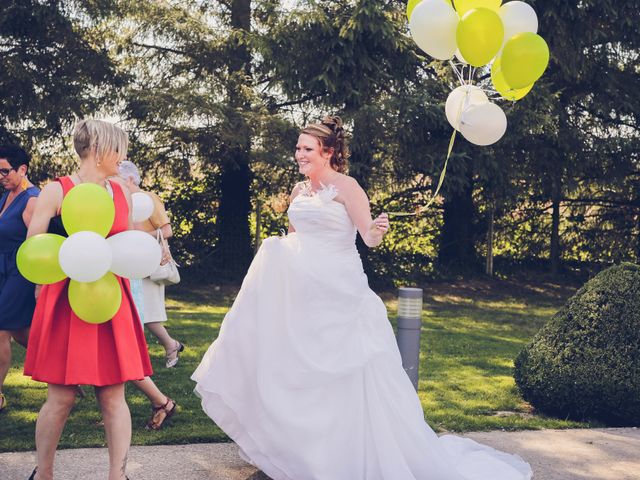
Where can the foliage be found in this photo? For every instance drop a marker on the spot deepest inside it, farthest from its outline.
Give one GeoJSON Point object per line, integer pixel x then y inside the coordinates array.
{"type": "Point", "coordinates": [585, 363]}
{"type": "Point", "coordinates": [470, 334]}
{"type": "Point", "coordinates": [213, 100]}
{"type": "Point", "coordinates": [51, 72]}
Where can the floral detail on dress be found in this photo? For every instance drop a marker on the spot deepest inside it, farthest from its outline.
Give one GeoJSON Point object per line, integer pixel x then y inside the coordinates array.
{"type": "Point", "coordinates": [325, 194]}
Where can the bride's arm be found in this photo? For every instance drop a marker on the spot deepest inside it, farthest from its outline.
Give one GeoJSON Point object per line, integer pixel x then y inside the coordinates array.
{"type": "Point", "coordinates": [294, 194]}
{"type": "Point", "coordinates": [357, 204]}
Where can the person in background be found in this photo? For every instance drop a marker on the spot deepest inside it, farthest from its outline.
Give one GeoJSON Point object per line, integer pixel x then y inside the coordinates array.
{"type": "Point", "coordinates": [17, 297]}
{"type": "Point", "coordinates": [162, 406]}
{"type": "Point", "coordinates": [153, 314]}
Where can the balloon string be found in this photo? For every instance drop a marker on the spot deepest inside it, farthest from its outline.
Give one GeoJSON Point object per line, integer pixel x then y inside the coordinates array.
{"type": "Point", "coordinates": [458, 73]}
{"type": "Point", "coordinates": [463, 105]}
{"type": "Point", "coordinates": [440, 182]}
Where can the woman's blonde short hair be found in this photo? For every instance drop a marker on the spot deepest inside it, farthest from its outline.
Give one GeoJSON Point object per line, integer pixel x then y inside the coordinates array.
{"type": "Point", "coordinates": [99, 137]}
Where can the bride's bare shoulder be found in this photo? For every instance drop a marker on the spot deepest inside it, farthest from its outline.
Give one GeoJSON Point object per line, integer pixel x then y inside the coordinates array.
{"type": "Point", "coordinates": [347, 185]}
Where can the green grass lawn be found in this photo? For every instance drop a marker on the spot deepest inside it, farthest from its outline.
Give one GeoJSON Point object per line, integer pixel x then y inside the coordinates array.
{"type": "Point", "coordinates": [470, 336]}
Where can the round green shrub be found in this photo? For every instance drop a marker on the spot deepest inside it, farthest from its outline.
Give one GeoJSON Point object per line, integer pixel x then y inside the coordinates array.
{"type": "Point", "coordinates": [585, 362]}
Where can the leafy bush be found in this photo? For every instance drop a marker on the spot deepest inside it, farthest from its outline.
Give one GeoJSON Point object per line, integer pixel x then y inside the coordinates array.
{"type": "Point", "coordinates": [585, 363]}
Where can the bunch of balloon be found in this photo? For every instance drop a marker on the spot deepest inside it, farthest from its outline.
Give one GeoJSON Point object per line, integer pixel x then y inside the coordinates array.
{"type": "Point", "coordinates": [89, 259]}
{"type": "Point", "coordinates": [484, 35]}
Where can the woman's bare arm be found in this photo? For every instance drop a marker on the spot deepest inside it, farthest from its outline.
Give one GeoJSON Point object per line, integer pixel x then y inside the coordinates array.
{"type": "Point", "coordinates": [27, 213]}
{"type": "Point", "coordinates": [357, 204]}
{"type": "Point", "coordinates": [45, 208]}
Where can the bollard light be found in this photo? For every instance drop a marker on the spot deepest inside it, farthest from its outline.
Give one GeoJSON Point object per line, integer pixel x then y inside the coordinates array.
{"type": "Point", "coordinates": [409, 326]}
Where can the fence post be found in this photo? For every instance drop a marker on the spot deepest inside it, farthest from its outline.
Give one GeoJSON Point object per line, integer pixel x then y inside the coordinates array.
{"type": "Point", "coordinates": [409, 326]}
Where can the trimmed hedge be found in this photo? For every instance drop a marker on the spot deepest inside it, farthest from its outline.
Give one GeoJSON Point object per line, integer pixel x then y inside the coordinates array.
{"type": "Point", "coordinates": [585, 362]}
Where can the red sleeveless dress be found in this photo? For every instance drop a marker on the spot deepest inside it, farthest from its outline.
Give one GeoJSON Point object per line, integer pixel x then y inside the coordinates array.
{"type": "Point", "coordinates": [65, 350]}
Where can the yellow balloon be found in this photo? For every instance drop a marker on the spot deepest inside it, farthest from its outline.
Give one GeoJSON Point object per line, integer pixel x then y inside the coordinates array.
{"type": "Point", "coordinates": [37, 259]}
{"type": "Point", "coordinates": [88, 207]}
{"type": "Point", "coordinates": [479, 36]}
{"type": "Point", "coordinates": [96, 302]}
{"type": "Point", "coordinates": [463, 6]}
{"type": "Point", "coordinates": [524, 59]}
{"type": "Point", "coordinates": [501, 85]}
{"type": "Point", "coordinates": [411, 4]}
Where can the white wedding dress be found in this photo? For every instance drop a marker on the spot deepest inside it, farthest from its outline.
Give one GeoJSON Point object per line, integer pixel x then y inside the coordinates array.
{"type": "Point", "coordinates": [306, 376]}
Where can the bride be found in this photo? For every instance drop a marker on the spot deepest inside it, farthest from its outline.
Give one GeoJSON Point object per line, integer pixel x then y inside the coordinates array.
{"type": "Point", "coordinates": [305, 375]}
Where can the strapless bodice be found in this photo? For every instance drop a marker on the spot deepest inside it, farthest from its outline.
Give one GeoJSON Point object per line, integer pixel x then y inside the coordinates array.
{"type": "Point", "coordinates": [321, 220]}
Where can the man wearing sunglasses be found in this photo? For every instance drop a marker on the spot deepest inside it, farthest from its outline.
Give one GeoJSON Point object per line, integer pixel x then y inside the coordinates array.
{"type": "Point", "coordinates": [17, 300]}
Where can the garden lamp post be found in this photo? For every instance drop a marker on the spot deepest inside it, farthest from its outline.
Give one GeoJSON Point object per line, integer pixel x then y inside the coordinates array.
{"type": "Point", "coordinates": [409, 326]}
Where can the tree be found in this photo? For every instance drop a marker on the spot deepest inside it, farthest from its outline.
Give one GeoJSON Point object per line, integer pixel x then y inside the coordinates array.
{"type": "Point", "coordinates": [52, 70]}
{"type": "Point", "coordinates": [198, 114]}
{"type": "Point", "coordinates": [594, 47]}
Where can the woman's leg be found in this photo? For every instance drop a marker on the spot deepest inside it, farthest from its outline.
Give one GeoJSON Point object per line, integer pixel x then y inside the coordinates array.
{"type": "Point", "coordinates": [158, 330]}
{"type": "Point", "coordinates": [5, 360]}
{"type": "Point", "coordinates": [51, 419]}
{"type": "Point", "coordinates": [153, 393]}
{"type": "Point", "coordinates": [172, 347]}
{"type": "Point", "coordinates": [21, 336]}
{"type": "Point", "coordinates": [161, 405]}
{"type": "Point", "coordinates": [117, 426]}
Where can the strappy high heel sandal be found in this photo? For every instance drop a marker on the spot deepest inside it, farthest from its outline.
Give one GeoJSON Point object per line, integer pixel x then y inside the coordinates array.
{"type": "Point", "coordinates": [157, 420]}
{"type": "Point", "coordinates": [33, 474]}
{"type": "Point", "coordinates": [172, 362]}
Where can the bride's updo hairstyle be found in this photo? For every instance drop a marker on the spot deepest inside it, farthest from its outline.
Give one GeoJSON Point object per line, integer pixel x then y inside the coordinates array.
{"type": "Point", "coordinates": [330, 134]}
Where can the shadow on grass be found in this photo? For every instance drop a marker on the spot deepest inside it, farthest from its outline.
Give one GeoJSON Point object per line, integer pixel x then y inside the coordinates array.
{"type": "Point", "coordinates": [469, 340]}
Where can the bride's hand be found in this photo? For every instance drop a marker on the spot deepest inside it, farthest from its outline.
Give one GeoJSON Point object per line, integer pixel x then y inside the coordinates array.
{"type": "Point", "coordinates": [380, 226]}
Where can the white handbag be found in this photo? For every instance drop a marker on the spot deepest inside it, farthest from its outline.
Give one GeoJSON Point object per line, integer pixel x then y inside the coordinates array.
{"type": "Point", "coordinates": [167, 273]}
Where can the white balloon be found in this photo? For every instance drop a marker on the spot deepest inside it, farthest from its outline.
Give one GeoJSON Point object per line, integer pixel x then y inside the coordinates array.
{"type": "Point", "coordinates": [142, 206]}
{"type": "Point", "coordinates": [483, 124]}
{"type": "Point", "coordinates": [136, 254]}
{"type": "Point", "coordinates": [85, 256]}
{"type": "Point", "coordinates": [517, 17]}
{"type": "Point", "coordinates": [433, 27]}
{"type": "Point", "coordinates": [460, 100]}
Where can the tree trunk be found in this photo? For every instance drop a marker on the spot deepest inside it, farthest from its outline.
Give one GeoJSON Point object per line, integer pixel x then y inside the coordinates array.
{"type": "Point", "coordinates": [637, 238]}
{"type": "Point", "coordinates": [489, 264]}
{"type": "Point", "coordinates": [457, 251]}
{"type": "Point", "coordinates": [554, 254]}
{"type": "Point", "coordinates": [257, 239]}
{"type": "Point", "coordinates": [360, 169]}
{"type": "Point", "coordinates": [361, 151]}
{"type": "Point", "coordinates": [234, 235]}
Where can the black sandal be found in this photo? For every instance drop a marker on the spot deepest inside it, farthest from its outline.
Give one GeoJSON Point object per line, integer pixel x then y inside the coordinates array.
{"type": "Point", "coordinates": [33, 474]}
{"type": "Point", "coordinates": [154, 424]}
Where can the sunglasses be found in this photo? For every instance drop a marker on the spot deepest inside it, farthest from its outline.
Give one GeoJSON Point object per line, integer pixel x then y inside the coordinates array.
{"type": "Point", "coordinates": [5, 171]}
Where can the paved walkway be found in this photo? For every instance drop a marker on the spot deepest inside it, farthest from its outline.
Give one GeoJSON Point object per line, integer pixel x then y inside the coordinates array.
{"type": "Point", "coordinates": [599, 454]}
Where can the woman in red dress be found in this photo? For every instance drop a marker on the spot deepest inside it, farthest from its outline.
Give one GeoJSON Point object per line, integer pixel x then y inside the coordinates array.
{"type": "Point", "coordinates": [63, 350]}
